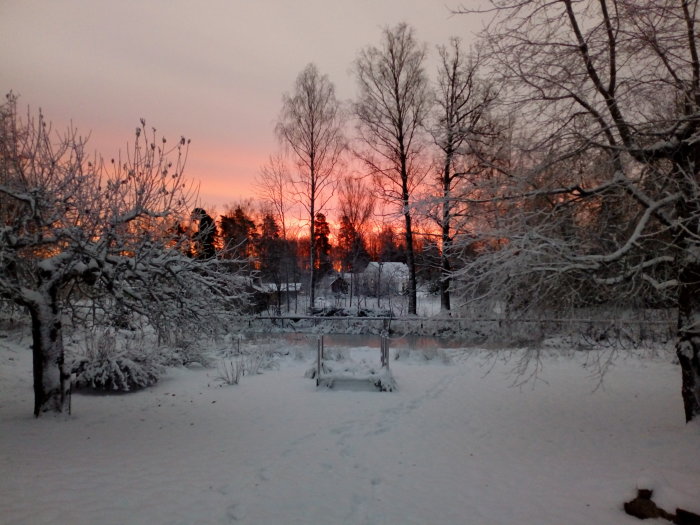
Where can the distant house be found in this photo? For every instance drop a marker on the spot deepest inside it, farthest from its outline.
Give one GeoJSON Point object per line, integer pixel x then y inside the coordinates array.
{"type": "Point", "coordinates": [279, 294]}
{"type": "Point", "coordinates": [381, 278]}
{"type": "Point", "coordinates": [339, 285]}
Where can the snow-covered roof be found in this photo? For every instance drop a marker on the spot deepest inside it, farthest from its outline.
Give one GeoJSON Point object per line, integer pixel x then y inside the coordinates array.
{"type": "Point", "coordinates": [284, 287]}
{"type": "Point", "coordinates": [397, 269]}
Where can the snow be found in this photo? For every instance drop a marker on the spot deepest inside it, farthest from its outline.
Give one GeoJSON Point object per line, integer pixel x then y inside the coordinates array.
{"type": "Point", "coordinates": [456, 443]}
{"type": "Point", "coordinates": [343, 370]}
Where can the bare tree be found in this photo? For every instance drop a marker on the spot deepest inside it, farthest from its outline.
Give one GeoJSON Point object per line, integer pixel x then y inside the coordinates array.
{"type": "Point", "coordinates": [272, 186]}
{"type": "Point", "coordinates": [311, 127]}
{"type": "Point", "coordinates": [391, 108]}
{"type": "Point", "coordinates": [356, 202]}
{"type": "Point", "coordinates": [356, 205]}
{"type": "Point", "coordinates": [461, 130]}
{"type": "Point", "coordinates": [70, 221]}
{"type": "Point", "coordinates": [612, 89]}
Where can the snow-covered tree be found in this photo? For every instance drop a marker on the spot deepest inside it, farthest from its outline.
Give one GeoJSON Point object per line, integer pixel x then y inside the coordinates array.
{"type": "Point", "coordinates": [609, 92]}
{"type": "Point", "coordinates": [462, 130]}
{"type": "Point", "coordinates": [72, 227]}
{"type": "Point", "coordinates": [391, 109]}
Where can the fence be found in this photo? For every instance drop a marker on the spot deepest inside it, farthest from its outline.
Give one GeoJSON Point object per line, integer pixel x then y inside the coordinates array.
{"type": "Point", "coordinates": [650, 326]}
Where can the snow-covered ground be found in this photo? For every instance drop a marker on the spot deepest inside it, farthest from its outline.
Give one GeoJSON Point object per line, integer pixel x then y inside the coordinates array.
{"type": "Point", "coordinates": [455, 444]}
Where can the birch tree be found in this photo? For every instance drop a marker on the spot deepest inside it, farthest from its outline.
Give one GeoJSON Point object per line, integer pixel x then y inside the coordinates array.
{"type": "Point", "coordinates": [461, 130]}
{"type": "Point", "coordinates": [68, 220]}
{"type": "Point", "coordinates": [356, 204]}
{"type": "Point", "coordinates": [611, 88]}
{"type": "Point", "coordinates": [272, 185]}
{"type": "Point", "coordinates": [391, 108]}
{"type": "Point", "coordinates": [311, 126]}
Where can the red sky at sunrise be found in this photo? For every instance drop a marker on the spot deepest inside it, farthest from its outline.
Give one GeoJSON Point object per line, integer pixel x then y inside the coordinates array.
{"type": "Point", "coordinates": [213, 71]}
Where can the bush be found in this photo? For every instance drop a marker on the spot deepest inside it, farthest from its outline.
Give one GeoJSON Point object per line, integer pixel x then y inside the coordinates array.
{"type": "Point", "coordinates": [251, 360]}
{"type": "Point", "coordinates": [186, 349]}
{"type": "Point", "coordinates": [105, 367]}
{"type": "Point", "coordinates": [230, 371]}
{"type": "Point", "coordinates": [117, 374]}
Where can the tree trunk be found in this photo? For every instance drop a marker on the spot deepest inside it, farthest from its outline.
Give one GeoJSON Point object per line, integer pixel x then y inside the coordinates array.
{"type": "Point", "coordinates": [445, 304]}
{"type": "Point", "coordinates": [445, 226]}
{"type": "Point", "coordinates": [352, 283]}
{"type": "Point", "coordinates": [411, 262]}
{"type": "Point", "coordinates": [410, 256]}
{"type": "Point", "coordinates": [379, 284]}
{"type": "Point", "coordinates": [287, 260]}
{"type": "Point", "coordinates": [51, 380]}
{"type": "Point", "coordinates": [445, 270]}
{"type": "Point", "coordinates": [312, 254]}
{"type": "Point", "coordinates": [312, 284]}
{"type": "Point", "coordinates": [688, 346]}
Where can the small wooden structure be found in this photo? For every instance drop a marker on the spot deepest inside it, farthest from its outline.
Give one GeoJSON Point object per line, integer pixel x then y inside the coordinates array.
{"type": "Point", "coordinates": [327, 373]}
{"type": "Point", "coordinates": [339, 285]}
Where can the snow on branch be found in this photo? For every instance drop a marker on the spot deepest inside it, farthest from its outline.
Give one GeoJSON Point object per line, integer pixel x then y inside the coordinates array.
{"type": "Point", "coordinates": [113, 226]}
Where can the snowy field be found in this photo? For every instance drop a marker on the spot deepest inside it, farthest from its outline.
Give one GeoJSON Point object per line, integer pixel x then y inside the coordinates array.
{"type": "Point", "coordinates": [455, 444]}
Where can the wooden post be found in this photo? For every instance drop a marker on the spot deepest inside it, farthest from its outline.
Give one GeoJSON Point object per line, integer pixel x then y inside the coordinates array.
{"type": "Point", "coordinates": [384, 346]}
{"type": "Point", "coordinates": [319, 358]}
{"type": "Point", "coordinates": [386, 351]}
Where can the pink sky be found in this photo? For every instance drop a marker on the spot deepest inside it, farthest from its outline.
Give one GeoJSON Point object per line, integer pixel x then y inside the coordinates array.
{"type": "Point", "coordinates": [212, 70]}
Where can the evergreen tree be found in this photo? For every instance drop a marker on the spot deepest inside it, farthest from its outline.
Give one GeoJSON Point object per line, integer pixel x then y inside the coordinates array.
{"type": "Point", "coordinates": [205, 235]}
{"type": "Point", "coordinates": [352, 253]}
{"type": "Point", "coordinates": [389, 248]}
{"type": "Point", "coordinates": [428, 261]}
{"type": "Point", "coordinates": [238, 233]}
{"type": "Point", "coordinates": [322, 245]}
{"type": "Point", "coordinates": [270, 250]}
{"type": "Point", "coordinates": [269, 228]}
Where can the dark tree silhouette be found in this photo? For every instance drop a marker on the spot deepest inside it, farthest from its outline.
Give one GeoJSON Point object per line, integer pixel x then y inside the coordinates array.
{"type": "Point", "coordinates": [390, 249]}
{"type": "Point", "coordinates": [205, 236]}
{"type": "Point", "coordinates": [351, 250]}
{"type": "Point", "coordinates": [322, 245]}
{"type": "Point", "coordinates": [238, 232]}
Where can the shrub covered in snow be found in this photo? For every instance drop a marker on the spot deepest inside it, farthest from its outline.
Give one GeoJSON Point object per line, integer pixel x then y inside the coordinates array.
{"type": "Point", "coordinates": [257, 361]}
{"type": "Point", "coordinates": [185, 351]}
{"type": "Point", "coordinates": [106, 366]}
{"type": "Point", "coordinates": [119, 373]}
{"type": "Point", "coordinates": [247, 360]}
{"type": "Point", "coordinates": [229, 371]}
